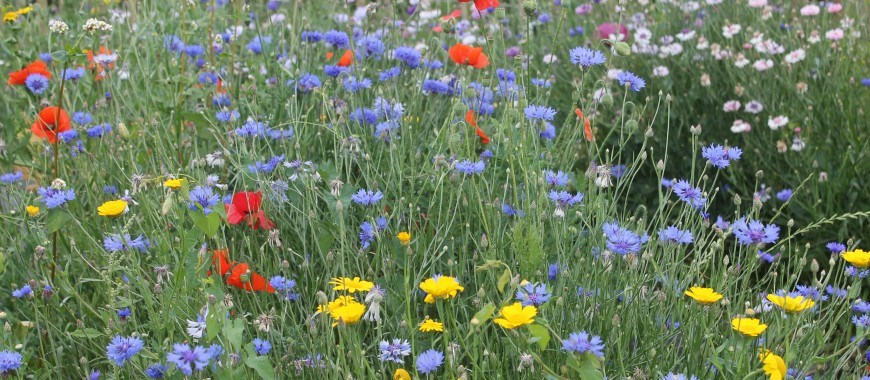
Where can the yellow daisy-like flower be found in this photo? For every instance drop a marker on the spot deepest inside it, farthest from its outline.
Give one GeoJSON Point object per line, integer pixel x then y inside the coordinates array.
{"type": "Point", "coordinates": [10, 16]}
{"type": "Point", "coordinates": [351, 285]}
{"type": "Point", "coordinates": [401, 374]}
{"type": "Point", "coordinates": [32, 210]}
{"type": "Point", "coordinates": [858, 258]}
{"type": "Point", "coordinates": [404, 237]}
{"type": "Point", "coordinates": [345, 308]}
{"type": "Point", "coordinates": [430, 325]}
{"type": "Point", "coordinates": [174, 183]}
{"type": "Point", "coordinates": [516, 315]}
{"type": "Point", "coordinates": [440, 287]}
{"type": "Point", "coordinates": [112, 208]}
{"type": "Point", "coordinates": [774, 366]}
{"type": "Point", "coordinates": [791, 304]}
{"type": "Point", "coordinates": [704, 296]}
{"type": "Point", "coordinates": [25, 10]}
{"type": "Point", "coordinates": [751, 327]}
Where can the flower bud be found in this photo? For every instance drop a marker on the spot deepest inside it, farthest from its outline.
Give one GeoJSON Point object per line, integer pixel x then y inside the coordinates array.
{"type": "Point", "coordinates": [622, 49]}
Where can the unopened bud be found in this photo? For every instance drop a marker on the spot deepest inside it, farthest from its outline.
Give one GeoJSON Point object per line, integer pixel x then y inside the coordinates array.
{"type": "Point", "coordinates": [622, 49]}
{"type": "Point", "coordinates": [530, 7]}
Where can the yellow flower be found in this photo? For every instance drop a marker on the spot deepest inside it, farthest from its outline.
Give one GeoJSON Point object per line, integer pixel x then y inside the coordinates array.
{"type": "Point", "coordinates": [174, 183]}
{"type": "Point", "coordinates": [430, 325]}
{"type": "Point", "coordinates": [791, 304]}
{"type": "Point", "coordinates": [774, 365]}
{"type": "Point", "coordinates": [10, 16]}
{"type": "Point", "coordinates": [352, 285]}
{"type": "Point", "coordinates": [441, 287]}
{"type": "Point", "coordinates": [704, 296]}
{"type": "Point", "coordinates": [751, 327]}
{"type": "Point", "coordinates": [404, 237]}
{"type": "Point", "coordinates": [345, 308]}
{"type": "Point", "coordinates": [516, 315]}
{"type": "Point", "coordinates": [401, 374]}
{"type": "Point", "coordinates": [25, 10]}
{"type": "Point", "coordinates": [32, 210]}
{"type": "Point", "coordinates": [112, 208]}
{"type": "Point", "coordinates": [858, 258]}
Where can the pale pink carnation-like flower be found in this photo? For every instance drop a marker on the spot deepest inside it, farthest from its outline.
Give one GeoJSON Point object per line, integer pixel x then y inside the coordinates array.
{"type": "Point", "coordinates": [731, 106]}
{"type": "Point", "coordinates": [763, 64]}
{"type": "Point", "coordinates": [835, 34]}
{"type": "Point", "coordinates": [810, 10]}
{"type": "Point", "coordinates": [730, 30]}
{"type": "Point", "coordinates": [777, 122]}
{"type": "Point", "coordinates": [757, 3]}
{"type": "Point", "coordinates": [740, 126]}
{"type": "Point", "coordinates": [661, 71]}
{"type": "Point", "coordinates": [834, 8]}
{"type": "Point", "coordinates": [796, 56]}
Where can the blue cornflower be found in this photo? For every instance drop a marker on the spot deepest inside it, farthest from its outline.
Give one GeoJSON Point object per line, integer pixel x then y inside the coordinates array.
{"type": "Point", "coordinates": [784, 195]}
{"type": "Point", "coordinates": [122, 349]}
{"type": "Point", "coordinates": [755, 232]}
{"type": "Point", "coordinates": [388, 74]}
{"type": "Point", "coordinates": [720, 156]}
{"type": "Point", "coordinates": [836, 247]}
{"type": "Point", "coordinates": [564, 199]}
{"type": "Point", "coordinates": [388, 110]}
{"type": "Point", "coordinates": [617, 171]}
{"type": "Point", "coordinates": [364, 116]}
{"type": "Point", "coordinates": [469, 167]}
{"type": "Point", "coordinates": [429, 361]}
{"type": "Point", "coordinates": [214, 351]}
{"type": "Point", "coordinates": [22, 292]}
{"type": "Point", "coordinates": [395, 351]}
{"type": "Point", "coordinates": [203, 197]}
{"type": "Point", "coordinates": [280, 134]}
{"type": "Point", "coordinates": [533, 294]}
{"type": "Point", "coordinates": [862, 321]}
{"type": "Point", "coordinates": [312, 36]}
{"type": "Point", "coordinates": [691, 195]}
{"type": "Point", "coordinates": [124, 313]}
{"type": "Point", "coordinates": [586, 57]}
{"type": "Point", "coordinates": [722, 224]}
{"type": "Point", "coordinates": [266, 167]}
{"type": "Point", "coordinates": [431, 86]}
{"type": "Point", "coordinates": [353, 85]}
{"type": "Point", "coordinates": [252, 128]}
{"type": "Point", "coordinates": [510, 211]}
{"type": "Point", "coordinates": [9, 362]}
{"type": "Point", "coordinates": [338, 40]}
{"type": "Point", "coordinates": [381, 223]}
{"type": "Point", "coordinates": [675, 235]}
{"type": "Point", "coordinates": [367, 197]}
{"type": "Point", "coordinates": [408, 55]}
{"type": "Point", "coordinates": [208, 77]}
{"type": "Point", "coordinates": [811, 292]}
{"type": "Point", "coordinates": [307, 82]}
{"type": "Point", "coordinates": [678, 376]}
{"type": "Point", "coordinates": [433, 64]}
{"type": "Point", "coordinates": [581, 342]}
{"type": "Point", "coordinates": [116, 243]}
{"type": "Point", "coordinates": [227, 116]}
{"type": "Point", "coordinates": [110, 189]}
{"type": "Point", "coordinates": [506, 75]}
{"type": "Point", "coordinates": [541, 82]}
{"type": "Point", "coordinates": [766, 257]}
{"type": "Point", "coordinates": [173, 44]}
{"type": "Point", "coordinates": [543, 113]}
{"type": "Point", "coordinates": [552, 271]}
{"type": "Point", "coordinates": [370, 46]}
{"type": "Point", "coordinates": [621, 240]}
{"type": "Point", "coordinates": [156, 371]}
{"type": "Point", "coordinates": [366, 235]}
{"type": "Point", "coordinates": [262, 346]}
{"type": "Point", "coordinates": [95, 375]}
{"type": "Point", "coordinates": [193, 51]}
{"type": "Point", "coordinates": [73, 73]}
{"type": "Point", "coordinates": [46, 57]}
{"type": "Point", "coordinates": [68, 136]}
{"type": "Point", "coordinates": [187, 359]}
{"type": "Point", "coordinates": [836, 292]}
{"type": "Point", "coordinates": [36, 83]}
{"type": "Point", "coordinates": [335, 71]}
{"type": "Point", "coordinates": [549, 131]}
{"type": "Point", "coordinates": [99, 130]}
{"type": "Point", "coordinates": [556, 179]}
{"type": "Point", "coordinates": [861, 307]}
{"type": "Point", "coordinates": [633, 82]}
{"type": "Point", "coordinates": [284, 287]}
{"type": "Point", "coordinates": [256, 45]}
{"type": "Point", "coordinates": [82, 118]}
{"type": "Point", "coordinates": [55, 197]}
{"type": "Point", "coordinates": [221, 101]}
{"type": "Point", "coordinates": [10, 178]}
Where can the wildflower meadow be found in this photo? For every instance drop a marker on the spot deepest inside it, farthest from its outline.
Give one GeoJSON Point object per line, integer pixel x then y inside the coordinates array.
{"type": "Point", "coordinates": [434, 189]}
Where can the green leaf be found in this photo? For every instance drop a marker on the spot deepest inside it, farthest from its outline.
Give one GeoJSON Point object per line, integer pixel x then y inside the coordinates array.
{"type": "Point", "coordinates": [208, 224]}
{"type": "Point", "coordinates": [503, 280]}
{"type": "Point", "coordinates": [88, 333]}
{"type": "Point", "coordinates": [540, 334]}
{"type": "Point", "coordinates": [56, 218]}
{"type": "Point", "coordinates": [213, 321]}
{"type": "Point", "coordinates": [483, 315]}
{"type": "Point", "coordinates": [262, 365]}
{"type": "Point", "coordinates": [588, 367]}
{"type": "Point", "coordinates": [167, 205]}
{"type": "Point", "coordinates": [234, 331]}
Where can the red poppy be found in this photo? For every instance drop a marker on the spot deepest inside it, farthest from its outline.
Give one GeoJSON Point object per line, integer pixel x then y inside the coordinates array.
{"type": "Point", "coordinates": [233, 273]}
{"type": "Point", "coordinates": [246, 206]}
{"type": "Point", "coordinates": [483, 5]}
{"type": "Point", "coordinates": [346, 58]}
{"type": "Point", "coordinates": [472, 121]}
{"type": "Point", "coordinates": [18, 78]}
{"type": "Point", "coordinates": [94, 65]}
{"type": "Point", "coordinates": [587, 128]}
{"type": "Point", "coordinates": [329, 55]}
{"type": "Point", "coordinates": [452, 15]}
{"type": "Point", "coordinates": [50, 122]}
{"type": "Point", "coordinates": [468, 55]}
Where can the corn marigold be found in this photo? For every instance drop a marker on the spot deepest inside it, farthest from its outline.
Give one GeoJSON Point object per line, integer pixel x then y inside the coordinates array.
{"type": "Point", "coordinates": [704, 296]}
{"type": "Point", "coordinates": [440, 287]}
{"type": "Point", "coordinates": [516, 315]}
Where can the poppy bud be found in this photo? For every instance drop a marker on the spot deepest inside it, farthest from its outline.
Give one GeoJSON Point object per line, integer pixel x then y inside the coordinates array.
{"type": "Point", "coordinates": [448, 25]}
{"type": "Point", "coordinates": [631, 125]}
{"type": "Point", "coordinates": [530, 7]}
{"type": "Point", "coordinates": [607, 100]}
{"type": "Point", "coordinates": [622, 49]}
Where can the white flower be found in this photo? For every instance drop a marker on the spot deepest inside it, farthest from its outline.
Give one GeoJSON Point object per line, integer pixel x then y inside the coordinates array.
{"type": "Point", "coordinates": [777, 122]}
{"type": "Point", "coordinates": [57, 26]}
{"type": "Point", "coordinates": [703, 44]}
{"type": "Point", "coordinates": [730, 30]}
{"type": "Point", "coordinates": [660, 71]}
{"type": "Point", "coordinates": [705, 80]}
{"type": "Point", "coordinates": [740, 126]}
{"type": "Point", "coordinates": [686, 35]}
{"type": "Point", "coordinates": [642, 36]}
{"type": "Point", "coordinates": [757, 3]}
{"type": "Point", "coordinates": [741, 61]}
{"type": "Point", "coordinates": [93, 25]}
{"type": "Point", "coordinates": [195, 328]}
{"type": "Point", "coordinates": [796, 56]}
{"type": "Point", "coordinates": [550, 58]}
{"type": "Point", "coordinates": [798, 144]}
{"type": "Point", "coordinates": [754, 107]}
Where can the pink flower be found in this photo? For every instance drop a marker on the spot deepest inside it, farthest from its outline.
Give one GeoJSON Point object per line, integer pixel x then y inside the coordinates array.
{"type": "Point", "coordinates": [834, 7]}
{"type": "Point", "coordinates": [740, 126]}
{"type": "Point", "coordinates": [757, 3]}
{"type": "Point", "coordinates": [611, 31]}
{"type": "Point", "coordinates": [763, 64]}
{"type": "Point", "coordinates": [810, 10]}
{"type": "Point", "coordinates": [731, 106]}
{"type": "Point", "coordinates": [834, 34]}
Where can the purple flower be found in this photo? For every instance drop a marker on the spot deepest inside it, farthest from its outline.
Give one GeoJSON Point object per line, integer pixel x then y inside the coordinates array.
{"type": "Point", "coordinates": [621, 240]}
{"type": "Point", "coordinates": [22, 292]}
{"type": "Point", "coordinates": [691, 195]}
{"type": "Point", "coordinates": [557, 179]}
{"type": "Point", "coordinates": [338, 40]}
{"type": "Point", "coordinates": [366, 235]}
{"type": "Point", "coordinates": [122, 349]}
{"type": "Point", "coordinates": [533, 294]}
{"type": "Point", "coordinates": [468, 167]}
{"type": "Point", "coordinates": [187, 358]}
{"type": "Point", "coordinates": [719, 156]}
{"type": "Point", "coordinates": [10, 178]}
{"type": "Point", "coordinates": [552, 271]}
{"type": "Point", "coordinates": [203, 197]}
{"type": "Point", "coordinates": [564, 199]}
{"type": "Point", "coordinates": [542, 113]}
{"type": "Point", "coordinates": [429, 361]}
{"type": "Point", "coordinates": [36, 83]}
{"type": "Point", "coordinates": [367, 197]}
{"type": "Point", "coordinates": [395, 351]}
{"type": "Point", "coordinates": [784, 195]}
{"type": "Point", "coordinates": [755, 232]}
{"type": "Point", "coordinates": [55, 197]}
{"type": "Point", "coordinates": [836, 292]}
{"type": "Point", "coordinates": [408, 55]}
{"type": "Point", "coordinates": [262, 346]}
{"type": "Point", "coordinates": [9, 362]}
{"type": "Point", "coordinates": [633, 82]}
{"type": "Point", "coordinates": [581, 342]}
{"type": "Point", "coordinates": [836, 247]}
